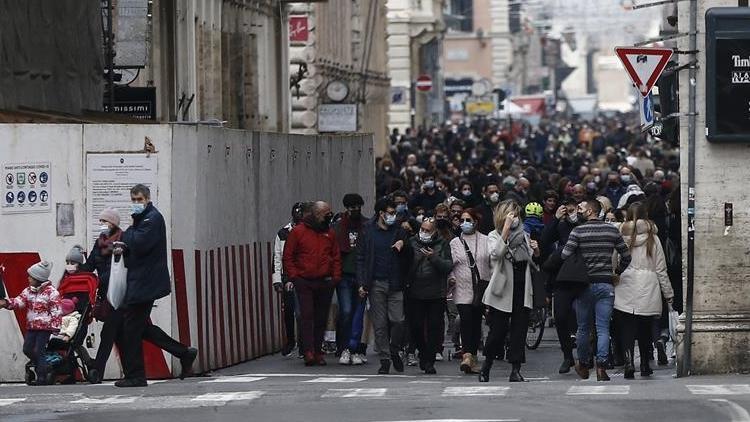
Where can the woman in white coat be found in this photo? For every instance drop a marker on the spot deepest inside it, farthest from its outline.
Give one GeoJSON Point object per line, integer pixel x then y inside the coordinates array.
{"type": "Point", "coordinates": [462, 280]}
{"type": "Point", "coordinates": [638, 296]}
{"type": "Point", "coordinates": [509, 293]}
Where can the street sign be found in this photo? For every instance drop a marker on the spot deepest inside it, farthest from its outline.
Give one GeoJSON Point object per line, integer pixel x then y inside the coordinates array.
{"type": "Point", "coordinates": [644, 65]}
{"type": "Point", "coordinates": [646, 107]}
{"type": "Point", "coordinates": [424, 83]}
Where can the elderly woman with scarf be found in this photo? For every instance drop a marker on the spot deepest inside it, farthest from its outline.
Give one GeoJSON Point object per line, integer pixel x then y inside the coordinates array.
{"type": "Point", "coordinates": [509, 293]}
{"type": "Point", "coordinates": [100, 260]}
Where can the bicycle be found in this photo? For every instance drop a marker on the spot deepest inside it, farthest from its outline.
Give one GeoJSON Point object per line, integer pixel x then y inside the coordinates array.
{"type": "Point", "coordinates": [537, 322]}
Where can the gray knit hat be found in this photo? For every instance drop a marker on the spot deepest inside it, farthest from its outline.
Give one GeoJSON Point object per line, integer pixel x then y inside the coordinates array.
{"type": "Point", "coordinates": [75, 255]}
{"type": "Point", "coordinates": [40, 271]}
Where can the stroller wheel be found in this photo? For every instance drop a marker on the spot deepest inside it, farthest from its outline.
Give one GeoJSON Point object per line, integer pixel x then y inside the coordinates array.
{"type": "Point", "coordinates": [30, 377]}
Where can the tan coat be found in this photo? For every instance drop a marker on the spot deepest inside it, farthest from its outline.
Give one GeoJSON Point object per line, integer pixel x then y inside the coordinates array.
{"type": "Point", "coordinates": [499, 293]}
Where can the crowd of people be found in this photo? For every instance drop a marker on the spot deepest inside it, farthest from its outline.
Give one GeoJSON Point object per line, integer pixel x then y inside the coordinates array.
{"type": "Point", "coordinates": [472, 225]}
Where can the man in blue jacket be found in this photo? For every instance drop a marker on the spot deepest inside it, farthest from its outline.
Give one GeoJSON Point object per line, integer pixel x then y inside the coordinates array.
{"type": "Point", "coordinates": [145, 250]}
{"type": "Point", "coordinates": [379, 279]}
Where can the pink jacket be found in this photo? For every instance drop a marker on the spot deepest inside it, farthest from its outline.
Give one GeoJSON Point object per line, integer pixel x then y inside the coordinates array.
{"type": "Point", "coordinates": [43, 307]}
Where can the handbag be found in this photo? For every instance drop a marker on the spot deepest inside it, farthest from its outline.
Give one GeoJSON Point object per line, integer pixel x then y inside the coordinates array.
{"type": "Point", "coordinates": [573, 270]}
{"type": "Point", "coordinates": [478, 285]}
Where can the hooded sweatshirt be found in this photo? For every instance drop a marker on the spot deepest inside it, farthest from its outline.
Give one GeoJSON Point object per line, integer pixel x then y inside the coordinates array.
{"type": "Point", "coordinates": [643, 283]}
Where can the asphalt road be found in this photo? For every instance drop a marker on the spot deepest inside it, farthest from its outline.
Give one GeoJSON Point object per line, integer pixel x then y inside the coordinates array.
{"type": "Point", "coordinates": [280, 389]}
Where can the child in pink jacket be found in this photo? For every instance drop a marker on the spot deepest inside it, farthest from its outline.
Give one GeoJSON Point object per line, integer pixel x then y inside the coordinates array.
{"type": "Point", "coordinates": [43, 314]}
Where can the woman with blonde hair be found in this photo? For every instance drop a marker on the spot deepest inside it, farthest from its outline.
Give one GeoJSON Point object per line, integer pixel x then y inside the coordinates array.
{"type": "Point", "coordinates": [509, 293]}
{"type": "Point", "coordinates": [638, 296]}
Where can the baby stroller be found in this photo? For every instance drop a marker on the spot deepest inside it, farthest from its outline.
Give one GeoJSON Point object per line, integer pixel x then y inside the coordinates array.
{"type": "Point", "coordinates": [64, 359]}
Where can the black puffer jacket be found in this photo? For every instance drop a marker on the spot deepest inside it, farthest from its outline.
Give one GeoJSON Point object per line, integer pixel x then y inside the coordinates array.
{"type": "Point", "coordinates": [428, 277]}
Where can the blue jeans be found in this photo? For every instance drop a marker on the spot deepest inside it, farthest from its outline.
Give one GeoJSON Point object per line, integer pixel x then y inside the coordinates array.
{"type": "Point", "coordinates": [345, 292]}
{"type": "Point", "coordinates": [358, 322]}
{"type": "Point", "coordinates": [597, 300]}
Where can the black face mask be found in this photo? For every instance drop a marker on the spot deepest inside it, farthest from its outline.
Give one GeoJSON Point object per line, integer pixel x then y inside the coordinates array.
{"type": "Point", "coordinates": [355, 215]}
{"type": "Point", "coordinates": [614, 183]}
{"type": "Point", "coordinates": [442, 224]}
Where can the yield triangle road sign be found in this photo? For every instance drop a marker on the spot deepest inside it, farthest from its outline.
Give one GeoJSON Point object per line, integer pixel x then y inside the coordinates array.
{"type": "Point", "coordinates": [644, 65]}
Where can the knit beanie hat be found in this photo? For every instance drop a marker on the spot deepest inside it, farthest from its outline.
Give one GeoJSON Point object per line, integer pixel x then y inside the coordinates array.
{"type": "Point", "coordinates": [40, 271]}
{"type": "Point", "coordinates": [75, 255]}
{"type": "Point", "coordinates": [68, 306]}
{"type": "Point", "coordinates": [110, 215]}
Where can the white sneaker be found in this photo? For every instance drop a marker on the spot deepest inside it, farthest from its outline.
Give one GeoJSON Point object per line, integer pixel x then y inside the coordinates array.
{"type": "Point", "coordinates": [346, 357]}
{"type": "Point", "coordinates": [411, 359]}
{"type": "Point", "coordinates": [357, 359]}
{"type": "Point", "coordinates": [439, 357]}
{"type": "Point", "coordinates": [363, 357]}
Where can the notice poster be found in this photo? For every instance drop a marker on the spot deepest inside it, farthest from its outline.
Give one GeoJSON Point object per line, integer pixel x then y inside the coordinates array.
{"type": "Point", "coordinates": [109, 179]}
{"type": "Point", "coordinates": [732, 87]}
{"type": "Point", "coordinates": [26, 187]}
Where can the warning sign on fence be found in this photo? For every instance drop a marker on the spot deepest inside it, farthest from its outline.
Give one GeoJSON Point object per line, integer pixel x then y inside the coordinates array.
{"type": "Point", "coordinates": [26, 188]}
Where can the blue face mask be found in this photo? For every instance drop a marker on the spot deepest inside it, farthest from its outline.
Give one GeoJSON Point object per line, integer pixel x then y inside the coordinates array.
{"type": "Point", "coordinates": [467, 227]}
{"type": "Point", "coordinates": [136, 209]}
{"type": "Point", "coordinates": [390, 219]}
{"type": "Point", "coordinates": [402, 208]}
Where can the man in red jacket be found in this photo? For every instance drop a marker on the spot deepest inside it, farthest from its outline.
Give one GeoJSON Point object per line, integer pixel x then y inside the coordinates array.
{"type": "Point", "coordinates": [312, 262]}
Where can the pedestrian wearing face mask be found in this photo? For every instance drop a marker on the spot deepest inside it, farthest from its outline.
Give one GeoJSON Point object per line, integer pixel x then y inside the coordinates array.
{"type": "Point", "coordinates": [491, 193]}
{"type": "Point", "coordinates": [466, 194]}
{"type": "Point", "coordinates": [430, 196]}
{"type": "Point", "coordinates": [379, 256]}
{"type": "Point", "coordinates": [283, 286]}
{"type": "Point", "coordinates": [312, 260]}
{"type": "Point", "coordinates": [144, 246]}
{"type": "Point", "coordinates": [554, 238]}
{"type": "Point", "coordinates": [348, 233]}
{"type": "Point", "coordinates": [509, 293]}
{"type": "Point", "coordinates": [43, 316]}
{"type": "Point", "coordinates": [430, 262]}
{"type": "Point", "coordinates": [595, 241]}
{"type": "Point", "coordinates": [614, 190]}
{"type": "Point", "coordinates": [471, 272]}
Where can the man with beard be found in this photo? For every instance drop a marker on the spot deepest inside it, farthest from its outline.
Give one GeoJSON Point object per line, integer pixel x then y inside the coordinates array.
{"type": "Point", "coordinates": [313, 263]}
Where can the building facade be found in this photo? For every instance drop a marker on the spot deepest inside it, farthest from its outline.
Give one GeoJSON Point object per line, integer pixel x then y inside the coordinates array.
{"type": "Point", "coordinates": [415, 44]}
{"type": "Point", "coordinates": [338, 69]}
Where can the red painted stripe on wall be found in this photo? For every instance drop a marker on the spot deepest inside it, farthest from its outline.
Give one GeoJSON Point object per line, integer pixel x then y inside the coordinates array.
{"type": "Point", "coordinates": [199, 306]}
{"type": "Point", "coordinates": [181, 300]}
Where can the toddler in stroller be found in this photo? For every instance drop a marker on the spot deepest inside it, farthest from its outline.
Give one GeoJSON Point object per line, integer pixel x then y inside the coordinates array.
{"type": "Point", "coordinates": [43, 318]}
{"type": "Point", "coordinates": [66, 353]}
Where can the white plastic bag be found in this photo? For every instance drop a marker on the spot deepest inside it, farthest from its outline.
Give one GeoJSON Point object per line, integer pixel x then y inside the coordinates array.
{"type": "Point", "coordinates": [673, 321]}
{"type": "Point", "coordinates": [118, 282]}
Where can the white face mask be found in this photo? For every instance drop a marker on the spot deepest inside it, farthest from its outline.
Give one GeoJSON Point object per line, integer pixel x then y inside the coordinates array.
{"type": "Point", "coordinates": [71, 268]}
{"type": "Point", "coordinates": [104, 229]}
{"type": "Point", "coordinates": [466, 192]}
{"type": "Point", "coordinates": [515, 223]}
{"type": "Point", "coordinates": [495, 197]}
{"type": "Point", "coordinates": [425, 237]}
{"type": "Point", "coordinates": [573, 217]}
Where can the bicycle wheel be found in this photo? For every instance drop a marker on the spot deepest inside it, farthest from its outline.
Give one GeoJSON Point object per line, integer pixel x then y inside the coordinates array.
{"type": "Point", "coordinates": [537, 322]}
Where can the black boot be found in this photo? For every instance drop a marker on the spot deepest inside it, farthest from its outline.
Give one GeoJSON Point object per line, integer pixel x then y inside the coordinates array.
{"type": "Point", "coordinates": [646, 370]}
{"type": "Point", "coordinates": [661, 352]}
{"type": "Point", "coordinates": [515, 374]}
{"type": "Point", "coordinates": [566, 365]}
{"type": "Point", "coordinates": [385, 367]}
{"type": "Point", "coordinates": [484, 373]}
{"type": "Point", "coordinates": [429, 368]}
{"type": "Point", "coordinates": [629, 369]}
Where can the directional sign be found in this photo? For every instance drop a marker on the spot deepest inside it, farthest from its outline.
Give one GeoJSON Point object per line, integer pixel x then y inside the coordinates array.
{"type": "Point", "coordinates": [644, 65]}
{"type": "Point", "coordinates": [646, 106]}
{"type": "Point", "coordinates": [424, 83]}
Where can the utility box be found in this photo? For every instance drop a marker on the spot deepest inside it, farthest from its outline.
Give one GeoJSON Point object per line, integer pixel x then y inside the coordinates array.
{"type": "Point", "coordinates": [728, 74]}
